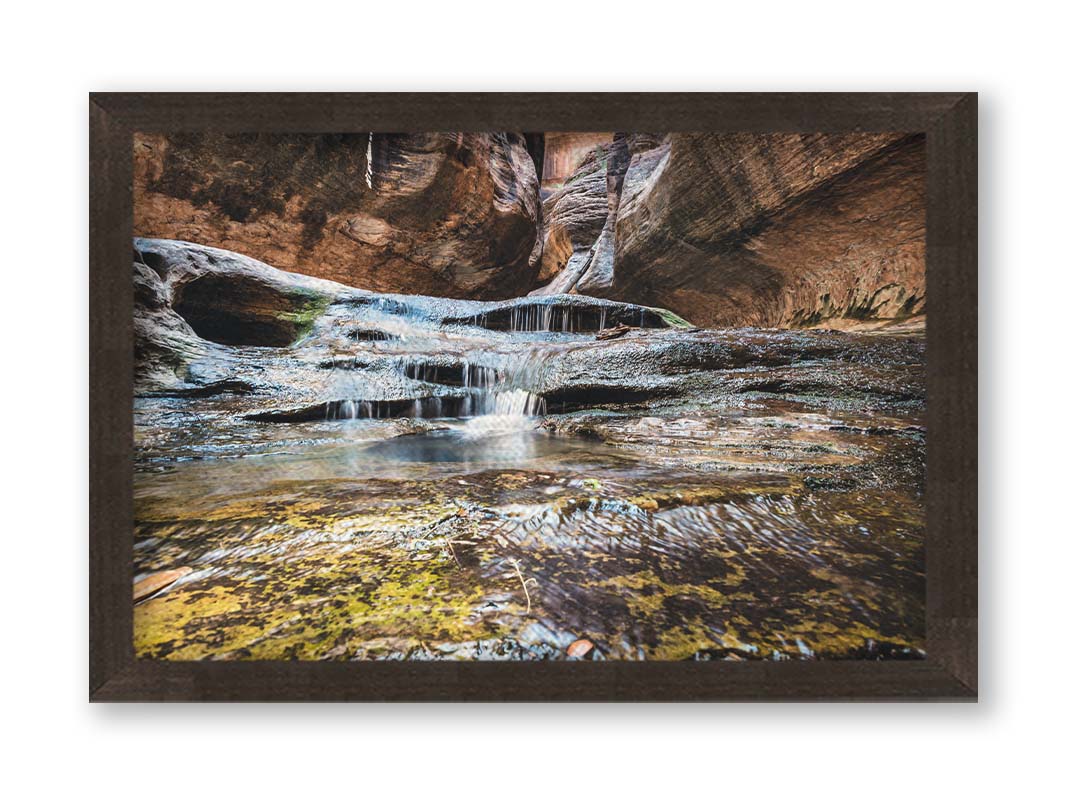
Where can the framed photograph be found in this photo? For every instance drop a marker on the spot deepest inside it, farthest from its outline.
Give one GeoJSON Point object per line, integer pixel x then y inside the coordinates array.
{"type": "Point", "coordinates": [533, 397]}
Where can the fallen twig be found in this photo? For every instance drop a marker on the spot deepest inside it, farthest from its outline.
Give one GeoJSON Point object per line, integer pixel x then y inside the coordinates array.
{"type": "Point", "coordinates": [613, 333]}
{"type": "Point", "coordinates": [522, 580]}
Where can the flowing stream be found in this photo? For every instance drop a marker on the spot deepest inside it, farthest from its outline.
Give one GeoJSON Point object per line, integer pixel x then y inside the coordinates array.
{"type": "Point", "coordinates": [500, 484]}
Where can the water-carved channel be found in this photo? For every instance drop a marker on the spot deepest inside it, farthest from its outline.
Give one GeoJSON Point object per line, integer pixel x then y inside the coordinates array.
{"type": "Point", "coordinates": [412, 477]}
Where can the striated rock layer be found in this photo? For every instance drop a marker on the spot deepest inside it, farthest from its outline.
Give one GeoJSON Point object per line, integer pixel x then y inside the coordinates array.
{"type": "Point", "coordinates": [450, 214]}
{"type": "Point", "coordinates": [579, 221]}
{"type": "Point", "coordinates": [787, 230]}
{"type": "Point", "coordinates": [574, 217]}
{"type": "Point", "coordinates": [784, 230]}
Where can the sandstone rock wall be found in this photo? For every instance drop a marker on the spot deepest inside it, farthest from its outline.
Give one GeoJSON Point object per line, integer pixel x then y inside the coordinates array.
{"type": "Point", "coordinates": [575, 215]}
{"type": "Point", "coordinates": [746, 229]}
{"type": "Point", "coordinates": [784, 230]}
{"type": "Point", "coordinates": [447, 214]}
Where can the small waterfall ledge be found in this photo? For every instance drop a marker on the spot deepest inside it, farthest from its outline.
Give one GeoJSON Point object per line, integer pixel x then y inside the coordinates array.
{"type": "Point", "coordinates": [428, 358]}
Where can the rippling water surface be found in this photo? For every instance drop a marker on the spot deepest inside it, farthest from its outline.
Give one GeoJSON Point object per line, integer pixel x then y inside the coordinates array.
{"type": "Point", "coordinates": [421, 478]}
{"type": "Point", "coordinates": [494, 538]}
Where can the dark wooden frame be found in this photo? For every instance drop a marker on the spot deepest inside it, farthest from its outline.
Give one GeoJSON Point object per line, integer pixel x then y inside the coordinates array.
{"type": "Point", "coordinates": [951, 668]}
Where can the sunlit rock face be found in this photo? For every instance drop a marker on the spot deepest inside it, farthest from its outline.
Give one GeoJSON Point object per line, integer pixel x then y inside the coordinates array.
{"type": "Point", "coordinates": [579, 213]}
{"type": "Point", "coordinates": [786, 230]}
{"type": "Point", "coordinates": [776, 229]}
{"type": "Point", "coordinates": [453, 214]}
{"type": "Point", "coordinates": [565, 152]}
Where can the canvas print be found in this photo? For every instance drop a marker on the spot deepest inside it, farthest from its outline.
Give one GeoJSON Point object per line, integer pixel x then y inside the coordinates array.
{"type": "Point", "coordinates": [529, 395]}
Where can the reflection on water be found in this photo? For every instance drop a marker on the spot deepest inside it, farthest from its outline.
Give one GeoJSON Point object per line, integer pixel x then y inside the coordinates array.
{"type": "Point", "coordinates": [485, 446]}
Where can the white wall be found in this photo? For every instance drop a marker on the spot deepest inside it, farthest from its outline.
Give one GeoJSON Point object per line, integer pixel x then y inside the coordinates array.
{"type": "Point", "coordinates": [58, 745]}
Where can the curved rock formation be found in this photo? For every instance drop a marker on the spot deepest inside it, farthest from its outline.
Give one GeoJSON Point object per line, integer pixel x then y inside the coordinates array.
{"type": "Point", "coordinates": [786, 230]}
{"type": "Point", "coordinates": [453, 215]}
{"type": "Point", "coordinates": [287, 347]}
{"type": "Point", "coordinates": [777, 229]}
{"type": "Point", "coordinates": [573, 217]}
{"type": "Point", "coordinates": [579, 219]}
{"type": "Point", "coordinates": [199, 310]}
{"type": "Point", "coordinates": [744, 229]}
{"type": "Point", "coordinates": [631, 161]}
{"type": "Point", "coordinates": [188, 299]}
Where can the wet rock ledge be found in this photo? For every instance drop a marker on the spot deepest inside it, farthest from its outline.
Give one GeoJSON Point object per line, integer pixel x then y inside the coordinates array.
{"type": "Point", "coordinates": [285, 347]}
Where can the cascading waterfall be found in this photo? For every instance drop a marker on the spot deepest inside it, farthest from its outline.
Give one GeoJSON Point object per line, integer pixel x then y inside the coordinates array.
{"type": "Point", "coordinates": [541, 317]}
{"type": "Point", "coordinates": [482, 396]}
{"type": "Point", "coordinates": [500, 382]}
{"type": "Point", "coordinates": [545, 318]}
{"type": "Point", "coordinates": [487, 391]}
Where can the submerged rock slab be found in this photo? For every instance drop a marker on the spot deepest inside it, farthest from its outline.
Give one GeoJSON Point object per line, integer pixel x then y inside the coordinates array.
{"type": "Point", "coordinates": [418, 560]}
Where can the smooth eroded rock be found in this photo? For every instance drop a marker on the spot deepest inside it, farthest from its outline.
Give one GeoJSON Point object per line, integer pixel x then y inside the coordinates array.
{"type": "Point", "coordinates": [787, 230]}
{"type": "Point", "coordinates": [447, 214]}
